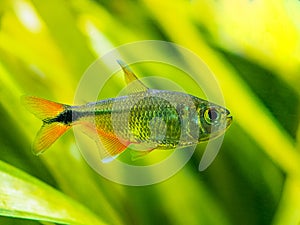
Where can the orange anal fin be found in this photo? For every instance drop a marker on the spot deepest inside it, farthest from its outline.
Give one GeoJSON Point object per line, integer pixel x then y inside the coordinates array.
{"type": "Point", "coordinates": [113, 147]}
{"type": "Point", "coordinates": [47, 135]}
{"type": "Point", "coordinates": [109, 145]}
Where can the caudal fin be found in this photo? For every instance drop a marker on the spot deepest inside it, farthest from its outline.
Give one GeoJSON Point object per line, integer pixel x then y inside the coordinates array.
{"type": "Point", "coordinates": [51, 130]}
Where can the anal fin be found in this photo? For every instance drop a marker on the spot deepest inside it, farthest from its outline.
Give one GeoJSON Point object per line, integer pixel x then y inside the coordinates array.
{"type": "Point", "coordinates": [112, 146]}
{"type": "Point", "coordinates": [109, 145]}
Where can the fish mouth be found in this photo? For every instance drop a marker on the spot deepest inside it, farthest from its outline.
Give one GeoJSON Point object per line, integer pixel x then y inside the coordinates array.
{"type": "Point", "coordinates": [228, 120]}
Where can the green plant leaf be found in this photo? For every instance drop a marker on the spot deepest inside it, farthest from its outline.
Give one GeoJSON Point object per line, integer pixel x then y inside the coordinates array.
{"type": "Point", "coordinates": [24, 196]}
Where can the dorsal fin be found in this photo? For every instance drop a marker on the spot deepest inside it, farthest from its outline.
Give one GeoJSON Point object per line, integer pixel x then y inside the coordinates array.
{"type": "Point", "coordinates": [130, 77]}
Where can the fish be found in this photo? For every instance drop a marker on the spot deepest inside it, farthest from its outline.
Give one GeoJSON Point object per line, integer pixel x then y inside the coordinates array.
{"type": "Point", "coordinates": [144, 119]}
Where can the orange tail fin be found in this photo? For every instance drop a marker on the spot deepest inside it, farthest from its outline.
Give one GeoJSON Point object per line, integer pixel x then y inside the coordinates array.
{"type": "Point", "coordinates": [51, 130]}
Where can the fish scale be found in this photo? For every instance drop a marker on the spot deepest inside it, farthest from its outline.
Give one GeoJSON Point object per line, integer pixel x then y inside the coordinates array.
{"type": "Point", "coordinates": [130, 116]}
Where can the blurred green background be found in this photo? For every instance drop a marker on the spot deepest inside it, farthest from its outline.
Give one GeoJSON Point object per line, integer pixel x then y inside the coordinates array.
{"type": "Point", "coordinates": [253, 48]}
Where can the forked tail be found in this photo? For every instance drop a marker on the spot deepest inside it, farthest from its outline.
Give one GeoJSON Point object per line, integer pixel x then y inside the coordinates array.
{"type": "Point", "coordinates": [51, 129]}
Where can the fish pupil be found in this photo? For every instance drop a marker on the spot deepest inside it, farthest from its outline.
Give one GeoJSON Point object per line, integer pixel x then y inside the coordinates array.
{"type": "Point", "coordinates": [213, 114]}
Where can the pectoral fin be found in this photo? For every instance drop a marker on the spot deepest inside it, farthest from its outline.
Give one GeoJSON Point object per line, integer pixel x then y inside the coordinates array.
{"type": "Point", "coordinates": [139, 151]}
{"type": "Point", "coordinates": [136, 155]}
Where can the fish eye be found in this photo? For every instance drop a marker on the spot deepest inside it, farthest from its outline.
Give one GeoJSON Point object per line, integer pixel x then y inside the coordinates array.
{"type": "Point", "coordinates": [211, 115]}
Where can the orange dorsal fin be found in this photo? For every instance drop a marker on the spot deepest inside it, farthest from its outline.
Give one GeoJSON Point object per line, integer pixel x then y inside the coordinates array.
{"type": "Point", "coordinates": [134, 84]}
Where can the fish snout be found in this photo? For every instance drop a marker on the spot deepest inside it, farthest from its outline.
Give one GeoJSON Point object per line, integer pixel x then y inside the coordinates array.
{"type": "Point", "coordinates": [228, 119]}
